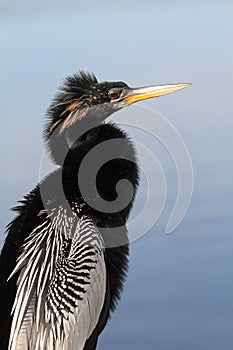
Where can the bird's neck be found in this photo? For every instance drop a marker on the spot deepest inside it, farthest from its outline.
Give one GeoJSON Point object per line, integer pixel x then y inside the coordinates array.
{"type": "Point", "coordinates": [94, 166]}
{"type": "Point", "coordinates": [63, 137]}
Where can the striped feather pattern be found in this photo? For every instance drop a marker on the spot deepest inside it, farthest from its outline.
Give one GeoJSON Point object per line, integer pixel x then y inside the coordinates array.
{"type": "Point", "coordinates": [61, 285]}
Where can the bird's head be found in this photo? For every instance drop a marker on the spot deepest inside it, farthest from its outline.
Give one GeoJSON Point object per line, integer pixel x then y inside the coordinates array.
{"type": "Point", "coordinates": [83, 103]}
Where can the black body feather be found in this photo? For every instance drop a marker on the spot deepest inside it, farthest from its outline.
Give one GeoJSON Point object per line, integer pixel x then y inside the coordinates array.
{"type": "Point", "coordinates": [71, 156]}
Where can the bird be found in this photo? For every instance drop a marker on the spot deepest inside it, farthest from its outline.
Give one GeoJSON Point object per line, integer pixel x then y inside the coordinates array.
{"type": "Point", "coordinates": [65, 257]}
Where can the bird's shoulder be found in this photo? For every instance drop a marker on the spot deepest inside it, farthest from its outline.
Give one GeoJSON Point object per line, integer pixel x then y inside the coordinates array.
{"type": "Point", "coordinates": [61, 273]}
{"type": "Point", "coordinates": [60, 235]}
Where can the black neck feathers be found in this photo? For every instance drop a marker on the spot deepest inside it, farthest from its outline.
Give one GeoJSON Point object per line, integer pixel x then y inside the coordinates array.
{"type": "Point", "coordinates": [101, 167]}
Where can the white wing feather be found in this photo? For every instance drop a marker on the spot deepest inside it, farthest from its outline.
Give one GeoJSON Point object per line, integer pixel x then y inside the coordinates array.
{"type": "Point", "coordinates": [60, 291]}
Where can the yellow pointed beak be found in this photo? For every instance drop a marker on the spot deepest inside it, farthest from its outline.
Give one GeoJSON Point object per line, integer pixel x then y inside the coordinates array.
{"type": "Point", "coordinates": [143, 93]}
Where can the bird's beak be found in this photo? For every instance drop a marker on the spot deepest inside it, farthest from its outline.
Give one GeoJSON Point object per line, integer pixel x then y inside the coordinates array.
{"type": "Point", "coordinates": [143, 93]}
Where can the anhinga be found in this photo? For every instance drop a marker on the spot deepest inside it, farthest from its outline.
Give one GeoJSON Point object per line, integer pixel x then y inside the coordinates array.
{"type": "Point", "coordinates": [61, 267]}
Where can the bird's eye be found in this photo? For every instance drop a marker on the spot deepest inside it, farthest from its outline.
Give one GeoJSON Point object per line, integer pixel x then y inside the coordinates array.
{"type": "Point", "coordinates": [114, 95]}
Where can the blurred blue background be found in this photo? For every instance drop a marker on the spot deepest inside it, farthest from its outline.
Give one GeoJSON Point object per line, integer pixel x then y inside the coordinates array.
{"type": "Point", "coordinates": [179, 293]}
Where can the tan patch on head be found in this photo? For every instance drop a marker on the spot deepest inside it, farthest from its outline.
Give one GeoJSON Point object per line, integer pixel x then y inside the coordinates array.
{"type": "Point", "coordinates": [71, 108]}
{"type": "Point", "coordinates": [72, 118]}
